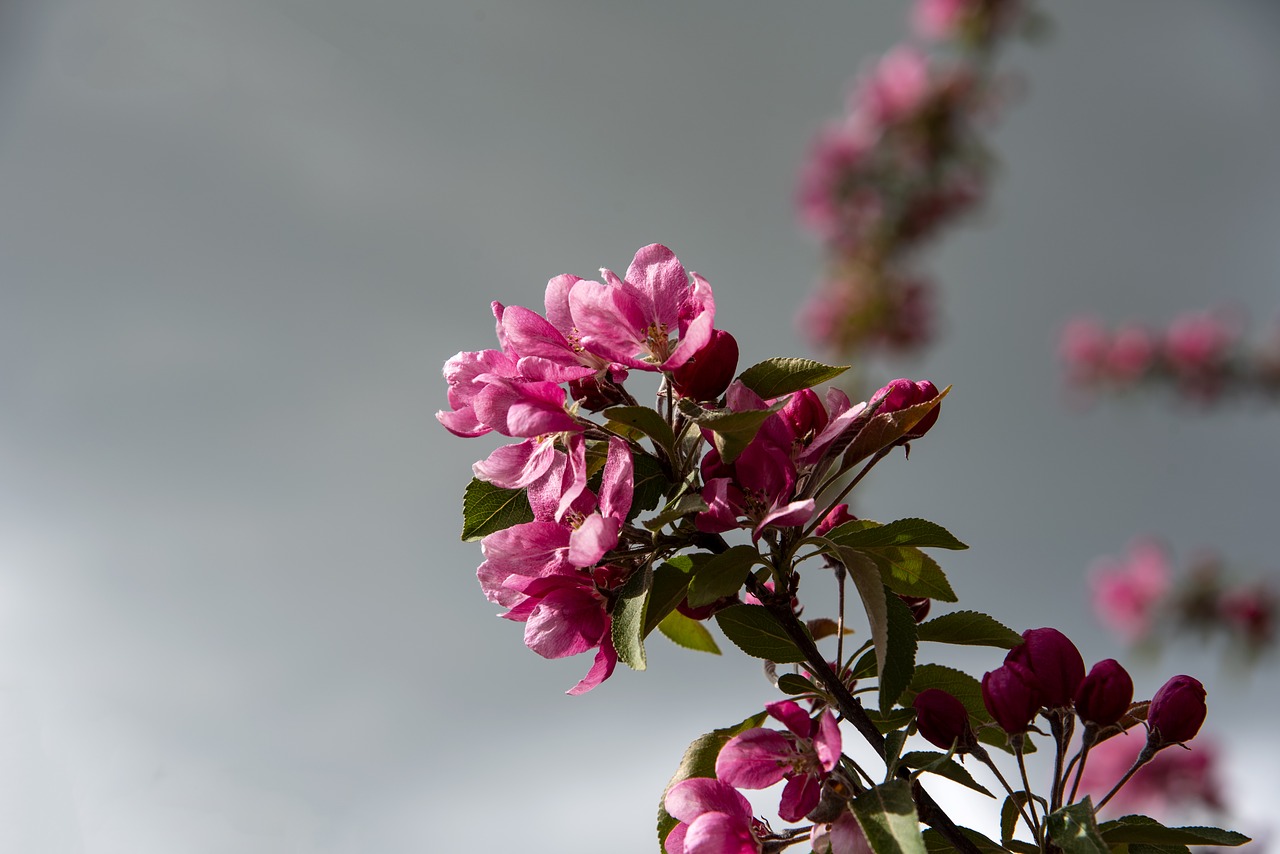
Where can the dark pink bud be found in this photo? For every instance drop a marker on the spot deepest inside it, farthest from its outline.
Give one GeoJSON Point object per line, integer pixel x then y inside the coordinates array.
{"type": "Point", "coordinates": [919, 606]}
{"type": "Point", "coordinates": [710, 370]}
{"type": "Point", "coordinates": [837, 517]}
{"type": "Point", "coordinates": [805, 415]}
{"type": "Point", "coordinates": [596, 394]}
{"type": "Point", "coordinates": [942, 719]}
{"type": "Point", "coordinates": [1177, 710]}
{"type": "Point", "coordinates": [1105, 694]}
{"type": "Point", "coordinates": [702, 612]}
{"type": "Point", "coordinates": [903, 393]}
{"type": "Point", "coordinates": [1012, 696]}
{"type": "Point", "coordinates": [1055, 661]}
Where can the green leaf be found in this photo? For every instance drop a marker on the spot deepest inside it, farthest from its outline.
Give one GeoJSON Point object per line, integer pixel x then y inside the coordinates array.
{"type": "Point", "coordinates": [971, 628]}
{"type": "Point", "coordinates": [628, 618]}
{"type": "Point", "coordinates": [699, 760]}
{"type": "Point", "coordinates": [1010, 815]}
{"type": "Point", "coordinates": [870, 587]}
{"type": "Point", "coordinates": [825, 627]}
{"type": "Point", "coordinates": [487, 508]}
{"type": "Point", "coordinates": [863, 533]}
{"type": "Point", "coordinates": [722, 576]}
{"type": "Point", "coordinates": [896, 719]}
{"type": "Point", "coordinates": [670, 581]}
{"type": "Point", "coordinates": [936, 843]}
{"type": "Point", "coordinates": [895, 674]}
{"type": "Point", "coordinates": [938, 763]}
{"type": "Point", "coordinates": [755, 631]}
{"type": "Point", "coordinates": [794, 683]}
{"type": "Point", "coordinates": [778, 376]}
{"type": "Point", "coordinates": [893, 742]}
{"type": "Point", "coordinates": [1074, 829]}
{"type": "Point", "coordinates": [911, 572]}
{"type": "Point", "coordinates": [688, 633]}
{"type": "Point", "coordinates": [647, 421]}
{"type": "Point", "coordinates": [888, 818]}
{"type": "Point", "coordinates": [1140, 829]}
{"type": "Point", "coordinates": [885, 428]}
{"type": "Point", "coordinates": [650, 484]}
{"type": "Point", "coordinates": [678, 509]}
{"type": "Point", "coordinates": [733, 430]}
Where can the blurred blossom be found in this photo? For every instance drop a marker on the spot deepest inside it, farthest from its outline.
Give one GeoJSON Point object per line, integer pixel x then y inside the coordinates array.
{"type": "Point", "coordinates": [1127, 591]}
{"type": "Point", "coordinates": [1166, 787]}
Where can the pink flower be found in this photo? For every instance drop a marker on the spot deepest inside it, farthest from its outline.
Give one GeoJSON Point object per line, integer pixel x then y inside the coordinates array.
{"type": "Point", "coordinates": [938, 20]}
{"type": "Point", "coordinates": [804, 756]}
{"type": "Point", "coordinates": [844, 836]}
{"type": "Point", "coordinates": [1126, 593]}
{"type": "Point", "coordinates": [1131, 355]}
{"type": "Point", "coordinates": [1083, 348]}
{"type": "Point", "coordinates": [632, 320]}
{"type": "Point", "coordinates": [896, 88]}
{"type": "Point", "coordinates": [714, 819]}
{"type": "Point", "coordinates": [1167, 786]}
{"type": "Point", "coordinates": [1198, 343]}
{"type": "Point", "coordinates": [1251, 611]}
{"type": "Point", "coordinates": [762, 490]}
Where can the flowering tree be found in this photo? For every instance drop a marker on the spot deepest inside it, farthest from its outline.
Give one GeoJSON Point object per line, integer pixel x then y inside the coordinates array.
{"type": "Point", "coordinates": [607, 519]}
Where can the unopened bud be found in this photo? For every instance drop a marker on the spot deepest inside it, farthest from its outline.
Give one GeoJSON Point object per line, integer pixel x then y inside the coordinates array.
{"type": "Point", "coordinates": [710, 370]}
{"type": "Point", "coordinates": [1012, 696]}
{"type": "Point", "coordinates": [1105, 694]}
{"type": "Point", "coordinates": [1177, 710]}
{"type": "Point", "coordinates": [904, 393]}
{"type": "Point", "coordinates": [1055, 661]}
{"type": "Point", "coordinates": [919, 606]}
{"type": "Point", "coordinates": [943, 720]}
{"type": "Point", "coordinates": [837, 517]}
{"type": "Point", "coordinates": [595, 393]}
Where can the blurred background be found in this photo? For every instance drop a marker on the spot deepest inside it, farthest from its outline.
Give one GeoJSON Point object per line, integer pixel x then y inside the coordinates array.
{"type": "Point", "coordinates": [239, 238]}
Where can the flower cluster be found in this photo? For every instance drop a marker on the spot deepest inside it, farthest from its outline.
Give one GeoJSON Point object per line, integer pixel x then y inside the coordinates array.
{"type": "Point", "coordinates": [1138, 597]}
{"type": "Point", "coordinates": [1202, 356]}
{"type": "Point", "coordinates": [907, 159]}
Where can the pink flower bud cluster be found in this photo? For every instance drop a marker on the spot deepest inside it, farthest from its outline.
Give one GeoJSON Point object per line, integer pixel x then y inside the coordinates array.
{"type": "Point", "coordinates": [1202, 356]}
{"type": "Point", "coordinates": [1138, 597]}
{"type": "Point", "coordinates": [906, 160]}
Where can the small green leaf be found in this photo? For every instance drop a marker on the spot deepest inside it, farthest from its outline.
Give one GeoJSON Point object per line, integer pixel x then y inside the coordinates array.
{"type": "Point", "coordinates": [722, 576]}
{"type": "Point", "coordinates": [1139, 829]}
{"type": "Point", "coordinates": [778, 376]}
{"type": "Point", "coordinates": [936, 843]}
{"type": "Point", "coordinates": [888, 818]}
{"type": "Point", "coordinates": [1074, 829]}
{"type": "Point", "coordinates": [699, 760]}
{"type": "Point", "coordinates": [647, 421]}
{"type": "Point", "coordinates": [678, 509]}
{"type": "Point", "coordinates": [755, 631]}
{"type": "Point", "coordinates": [794, 683]}
{"type": "Point", "coordinates": [885, 428]}
{"type": "Point", "coordinates": [870, 587]}
{"type": "Point", "coordinates": [667, 591]}
{"type": "Point", "coordinates": [863, 533]}
{"type": "Point", "coordinates": [688, 633]}
{"type": "Point", "coordinates": [628, 618]}
{"type": "Point", "coordinates": [1010, 814]}
{"type": "Point", "coordinates": [487, 509]}
{"type": "Point", "coordinates": [971, 628]}
{"type": "Point", "coordinates": [938, 763]}
{"type": "Point", "coordinates": [896, 719]}
{"type": "Point", "coordinates": [893, 742]}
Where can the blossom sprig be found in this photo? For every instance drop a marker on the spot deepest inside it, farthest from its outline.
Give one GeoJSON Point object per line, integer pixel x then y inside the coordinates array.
{"type": "Point", "coordinates": [1202, 357]}
{"type": "Point", "coordinates": [908, 158]}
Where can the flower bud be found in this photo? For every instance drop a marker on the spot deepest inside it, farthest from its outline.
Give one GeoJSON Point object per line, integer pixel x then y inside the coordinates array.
{"type": "Point", "coordinates": [1177, 710]}
{"type": "Point", "coordinates": [919, 606]}
{"type": "Point", "coordinates": [903, 393]}
{"type": "Point", "coordinates": [596, 393]}
{"type": "Point", "coordinates": [1055, 661]}
{"type": "Point", "coordinates": [710, 370]}
{"type": "Point", "coordinates": [837, 517]}
{"type": "Point", "coordinates": [804, 415]}
{"type": "Point", "coordinates": [1012, 696]}
{"type": "Point", "coordinates": [703, 612]}
{"type": "Point", "coordinates": [942, 719]}
{"type": "Point", "coordinates": [1105, 694]}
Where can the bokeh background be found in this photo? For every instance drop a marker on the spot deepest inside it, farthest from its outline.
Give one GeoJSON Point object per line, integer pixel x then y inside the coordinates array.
{"type": "Point", "coordinates": [239, 237]}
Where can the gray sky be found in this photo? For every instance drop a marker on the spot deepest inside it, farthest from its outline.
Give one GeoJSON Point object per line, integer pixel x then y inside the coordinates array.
{"type": "Point", "coordinates": [239, 238]}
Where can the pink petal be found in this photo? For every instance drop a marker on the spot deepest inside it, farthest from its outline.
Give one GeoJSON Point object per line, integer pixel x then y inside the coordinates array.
{"type": "Point", "coordinates": [595, 536]}
{"type": "Point", "coordinates": [611, 323]}
{"type": "Point", "coordinates": [658, 274]}
{"type": "Point", "coordinates": [557, 303]}
{"type": "Point", "coordinates": [792, 716]}
{"type": "Point", "coordinates": [566, 622]}
{"type": "Point", "coordinates": [517, 466]}
{"type": "Point", "coordinates": [674, 843]}
{"type": "Point", "coordinates": [618, 481]}
{"type": "Point", "coordinates": [602, 667]}
{"type": "Point", "coordinates": [719, 833]}
{"type": "Point", "coordinates": [799, 797]}
{"type": "Point", "coordinates": [755, 759]}
{"type": "Point", "coordinates": [573, 480]}
{"type": "Point", "coordinates": [532, 549]}
{"type": "Point", "coordinates": [690, 798]}
{"type": "Point", "coordinates": [827, 741]}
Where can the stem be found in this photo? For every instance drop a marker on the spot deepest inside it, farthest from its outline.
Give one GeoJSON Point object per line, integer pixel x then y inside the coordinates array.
{"type": "Point", "coordinates": [1061, 725]}
{"type": "Point", "coordinates": [927, 808]}
{"type": "Point", "coordinates": [1026, 785]}
{"type": "Point", "coordinates": [1143, 758]}
{"type": "Point", "coordinates": [880, 455]}
{"type": "Point", "coordinates": [1083, 756]}
{"type": "Point", "coordinates": [982, 755]}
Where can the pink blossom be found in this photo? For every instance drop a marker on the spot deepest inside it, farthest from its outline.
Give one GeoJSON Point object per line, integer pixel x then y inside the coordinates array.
{"type": "Point", "coordinates": [938, 20]}
{"type": "Point", "coordinates": [1251, 612]}
{"type": "Point", "coordinates": [714, 819]}
{"type": "Point", "coordinates": [1166, 787]}
{"type": "Point", "coordinates": [896, 88]}
{"type": "Point", "coordinates": [632, 320]}
{"type": "Point", "coordinates": [1126, 592]}
{"type": "Point", "coordinates": [1132, 354]}
{"type": "Point", "coordinates": [803, 756]}
{"type": "Point", "coordinates": [844, 836]}
{"type": "Point", "coordinates": [762, 491]}
{"type": "Point", "coordinates": [1199, 342]}
{"type": "Point", "coordinates": [467, 374]}
{"type": "Point", "coordinates": [1083, 347]}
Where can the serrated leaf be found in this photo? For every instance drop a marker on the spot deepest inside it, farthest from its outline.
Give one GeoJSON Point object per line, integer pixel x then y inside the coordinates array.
{"type": "Point", "coordinates": [911, 572]}
{"type": "Point", "coordinates": [650, 484]}
{"type": "Point", "coordinates": [688, 633]}
{"type": "Point", "coordinates": [628, 618]}
{"type": "Point", "coordinates": [895, 673]}
{"type": "Point", "coordinates": [647, 421]}
{"type": "Point", "coordinates": [933, 762]}
{"type": "Point", "coordinates": [666, 592]}
{"type": "Point", "coordinates": [681, 507]}
{"type": "Point", "coordinates": [970, 628]}
{"type": "Point", "coordinates": [894, 720]}
{"type": "Point", "coordinates": [794, 683]}
{"type": "Point", "coordinates": [936, 843]}
{"type": "Point", "coordinates": [1010, 814]}
{"type": "Point", "coordinates": [863, 533]}
{"type": "Point", "coordinates": [1139, 829]}
{"type": "Point", "coordinates": [754, 630]}
{"type": "Point", "coordinates": [885, 428]}
{"type": "Point", "coordinates": [780, 375]}
{"type": "Point", "coordinates": [487, 508]}
{"type": "Point", "coordinates": [699, 760]}
{"type": "Point", "coordinates": [722, 576]}
{"type": "Point", "coordinates": [870, 587]}
{"type": "Point", "coordinates": [1074, 829]}
{"type": "Point", "coordinates": [888, 819]}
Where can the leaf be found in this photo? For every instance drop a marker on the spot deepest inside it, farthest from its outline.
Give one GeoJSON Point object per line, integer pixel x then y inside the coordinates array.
{"type": "Point", "coordinates": [1010, 814]}
{"type": "Point", "coordinates": [911, 572]}
{"type": "Point", "coordinates": [650, 484]}
{"type": "Point", "coordinates": [667, 591]}
{"type": "Point", "coordinates": [681, 507]}
{"type": "Point", "coordinates": [699, 760]}
{"type": "Point", "coordinates": [1074, 829]}
{"type": "Point", "coordinates": [936, 843]}
{"type": "Point", "coordinates": [1140, 829]}
{"type": "Point", "coordinates": [933, 762]}
{"type": "Point", "coordinates": [628, 618]}
{"type": "Point", "coordinates": [487, 508]}
{"type": "Point", "coordinates": [866, 578]}
{"type": "Point", "coordinates": [755, 631]}
{"type": "Point", "coordinates": [778, 376]}
{"type": "Point", "coordinates": [896, 671]}
{"type": "Point", "coordinates": [648, 422]}
{"type": "Point", "coordinates": [733, 430]}
{"type": "Point", "coordinates": [893, 742]}
{"type": "Point", "coordinates": [863, 533]}
{"type": "Point", "coordinates": [885, 428]}
{"type": "Point", "coordinates": [896, 719]}
{"type": "Point", "coordinates": [888, 818]}
{"type": "Point", "coordinates": [825, 627]}
{"type": "Point", "coordinates": [794, 683]}
{"type": "Point", "coordinates": [722, 576]}
{"type": "Point", "coordinates": [970, 628]}
{"type": "Point", "coordinates": [688, 633]}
